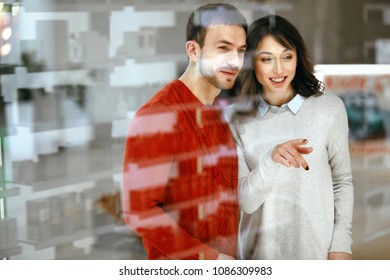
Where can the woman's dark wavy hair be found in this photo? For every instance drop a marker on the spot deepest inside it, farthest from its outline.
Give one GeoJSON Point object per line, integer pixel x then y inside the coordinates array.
{"type": "Point", "coordinates": [304, 83]}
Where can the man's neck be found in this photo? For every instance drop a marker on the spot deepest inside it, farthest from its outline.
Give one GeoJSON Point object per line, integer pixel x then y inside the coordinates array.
{"type": "Point", "coordinates": [200, 87]}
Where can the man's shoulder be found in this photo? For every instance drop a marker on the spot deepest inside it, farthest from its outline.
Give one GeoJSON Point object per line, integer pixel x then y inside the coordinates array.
{"type": "Point", "coordinates": [158, 102]}
{"type": "Point", "coordinates": [153, 118]}
{"type": "Point", "coordinates": [164, 100]}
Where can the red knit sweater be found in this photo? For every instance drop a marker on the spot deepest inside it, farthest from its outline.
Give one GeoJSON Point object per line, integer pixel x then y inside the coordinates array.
{"type": "Point", "coordinates": [180, 176]}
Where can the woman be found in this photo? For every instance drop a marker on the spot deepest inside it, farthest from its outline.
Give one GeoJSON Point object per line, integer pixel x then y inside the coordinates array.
{"type": "Point", "coordinates": [293, 206]}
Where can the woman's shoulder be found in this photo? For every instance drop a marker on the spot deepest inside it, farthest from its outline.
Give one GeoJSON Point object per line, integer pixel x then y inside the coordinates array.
{"type": "Point", "coordinates": [235, 114]}
{"type": "Point", "coordinates": [327, 99]}
{"type": "Point", "coordinates": [326, 105]}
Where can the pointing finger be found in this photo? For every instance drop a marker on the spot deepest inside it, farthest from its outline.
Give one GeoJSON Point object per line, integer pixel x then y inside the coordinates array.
{"type": "Point", "coordinates": [304, 150]}
{"type": "Point", "coordinates": [298, 142]}
{"type": "Point", "coordinates": [302, 162]}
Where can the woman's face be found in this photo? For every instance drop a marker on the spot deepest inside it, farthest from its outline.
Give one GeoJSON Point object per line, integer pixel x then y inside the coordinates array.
{"type": "Point", "coordinates": [275, 66]}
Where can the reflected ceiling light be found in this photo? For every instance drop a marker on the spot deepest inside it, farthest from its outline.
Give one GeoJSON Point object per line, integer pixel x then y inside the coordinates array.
{"type": "Point", "coordinates": [15, 8]}
{"type": "Point", "coordinates": [5, 49]}
{"type": "Point", "coordinates": [7, 33]}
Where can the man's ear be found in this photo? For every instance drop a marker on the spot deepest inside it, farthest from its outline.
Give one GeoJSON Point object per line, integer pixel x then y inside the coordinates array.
{"type": "Point", "coordinates": [193, 50]}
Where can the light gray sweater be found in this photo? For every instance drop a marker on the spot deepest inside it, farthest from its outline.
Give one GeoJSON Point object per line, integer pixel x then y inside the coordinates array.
{"type": "Point", "coordinates": [291, 213]}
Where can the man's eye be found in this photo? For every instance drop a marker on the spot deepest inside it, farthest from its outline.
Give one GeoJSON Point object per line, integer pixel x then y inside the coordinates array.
{"type": "Point", "coordinates": [224, 48]}
{"type": "Point", "coordinates": [241, 51]}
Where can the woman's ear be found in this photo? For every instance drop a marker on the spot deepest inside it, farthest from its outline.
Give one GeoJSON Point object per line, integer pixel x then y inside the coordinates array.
{"type": "Point", "coordinates": [193, 50]}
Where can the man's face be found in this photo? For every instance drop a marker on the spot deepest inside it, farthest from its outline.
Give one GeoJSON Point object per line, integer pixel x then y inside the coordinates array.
{"type": "Point", "coordinates": [222, 55]}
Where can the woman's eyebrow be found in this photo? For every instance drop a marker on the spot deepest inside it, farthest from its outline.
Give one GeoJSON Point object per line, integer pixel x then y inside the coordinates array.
{"type": "Point", "coordinates": [271, 53]}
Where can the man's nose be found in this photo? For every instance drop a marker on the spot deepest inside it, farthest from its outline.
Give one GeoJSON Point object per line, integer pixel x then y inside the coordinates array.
{"type": "Point", "coordinates": [235, 59]}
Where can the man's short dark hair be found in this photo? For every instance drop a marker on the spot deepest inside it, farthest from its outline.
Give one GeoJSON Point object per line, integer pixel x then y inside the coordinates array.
{"type": "Point", "coordinates": [212, 14]}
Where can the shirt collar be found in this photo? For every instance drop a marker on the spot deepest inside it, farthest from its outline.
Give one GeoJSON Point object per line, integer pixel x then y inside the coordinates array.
{"type": "Point", "coordinates": [294, 105]}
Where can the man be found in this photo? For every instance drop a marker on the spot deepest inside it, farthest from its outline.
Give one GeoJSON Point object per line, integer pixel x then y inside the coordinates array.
{"type": "Point", "coordinates": [180, 163]}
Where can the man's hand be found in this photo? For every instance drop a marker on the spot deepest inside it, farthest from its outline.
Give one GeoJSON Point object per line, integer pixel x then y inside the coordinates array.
{"type": "Point", "coordinates": [224, 257]}
{"type": "Point", "coordinates": [290, 153]}
{"type": "Point", "coordinates": [339, 256]}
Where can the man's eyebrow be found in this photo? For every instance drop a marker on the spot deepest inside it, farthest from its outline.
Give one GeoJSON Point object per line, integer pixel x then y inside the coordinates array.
{"type": "Point", "coordinates": [228, 43]}
{"type": "Point", "coordinates": [224, 42]}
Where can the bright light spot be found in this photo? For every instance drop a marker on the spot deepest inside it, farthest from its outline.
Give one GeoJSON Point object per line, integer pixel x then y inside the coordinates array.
{"type": "Point", "coordinates": [7, 33]}
{"type": "Point", "coordinates": [15, 9]}
{"type": "Point", "coordinates": [5, 49]}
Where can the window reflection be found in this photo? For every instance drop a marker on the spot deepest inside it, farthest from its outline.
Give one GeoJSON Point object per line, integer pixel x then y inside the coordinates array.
{"type": "Point", "coordinates": [74, 72]}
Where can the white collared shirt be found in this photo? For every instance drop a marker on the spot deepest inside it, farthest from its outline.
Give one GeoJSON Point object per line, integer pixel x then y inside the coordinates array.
{"type": "Point", "coordinates": [294, 105]}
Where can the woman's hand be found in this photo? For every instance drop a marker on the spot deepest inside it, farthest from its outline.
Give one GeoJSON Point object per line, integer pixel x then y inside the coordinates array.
{"type": "Point", "coordinates": [339, 256]}
{"type": "Point", "coordinates": [224, 257]}
{"type": "Point", "coordinates": [290, 153]}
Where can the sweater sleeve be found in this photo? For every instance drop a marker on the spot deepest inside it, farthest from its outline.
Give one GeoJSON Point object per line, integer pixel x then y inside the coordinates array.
{"type": "Point", "coordinates": [339, 160]}
{"type": "Point", "coordinates": [148, 164]}
{"type": "Point", "coordinates": [254, 185]}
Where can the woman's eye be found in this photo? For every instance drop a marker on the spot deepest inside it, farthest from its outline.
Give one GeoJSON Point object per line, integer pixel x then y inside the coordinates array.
{"type": "Point", "coordinates": [266, 59]}
{"type": "Point", "coordinates": [289, 57]}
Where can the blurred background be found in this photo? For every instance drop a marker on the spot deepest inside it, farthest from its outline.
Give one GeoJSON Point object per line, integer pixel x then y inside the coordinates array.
{"type": "Point", "coordinates": [73, 73]}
